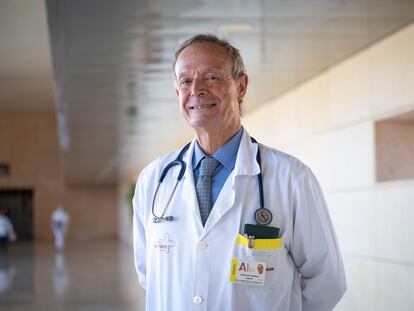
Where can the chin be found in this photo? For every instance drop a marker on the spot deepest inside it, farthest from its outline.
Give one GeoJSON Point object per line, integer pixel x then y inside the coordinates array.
{"type": "Point", "coordinates": [203, 124]}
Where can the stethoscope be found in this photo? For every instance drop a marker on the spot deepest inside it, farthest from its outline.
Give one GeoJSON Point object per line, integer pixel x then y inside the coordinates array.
{"type": "Point", "coordinates": [262, 215]}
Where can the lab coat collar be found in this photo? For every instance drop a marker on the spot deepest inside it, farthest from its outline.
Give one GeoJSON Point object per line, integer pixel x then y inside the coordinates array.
{"type": "Point", "coordinates": [246, 163]}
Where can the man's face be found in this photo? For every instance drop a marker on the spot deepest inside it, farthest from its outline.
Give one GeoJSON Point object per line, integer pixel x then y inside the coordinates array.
{"type": "Point", "coordinates": [209, 96]}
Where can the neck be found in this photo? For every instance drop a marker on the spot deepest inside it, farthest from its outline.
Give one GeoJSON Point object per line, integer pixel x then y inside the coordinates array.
{"type": "Point", "coordinates": [213, 139]}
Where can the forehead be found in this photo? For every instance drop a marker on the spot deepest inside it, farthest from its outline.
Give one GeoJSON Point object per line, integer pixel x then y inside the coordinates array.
{"type": "Point", "coordinates": [203, 54]}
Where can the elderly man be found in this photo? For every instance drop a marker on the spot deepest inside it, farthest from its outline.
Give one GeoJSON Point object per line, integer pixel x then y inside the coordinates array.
{"type": "Point", "coordinates": [228, 205]}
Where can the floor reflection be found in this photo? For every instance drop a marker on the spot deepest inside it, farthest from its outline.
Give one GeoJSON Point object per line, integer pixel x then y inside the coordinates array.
{"type": "Point", "coordinates": [60, 275]}
{"type": "Point", "coordinates": [17, 275]}
{"type": "Point", "coordinates": [7, 273]}
{"type": "Point", "coordinates": [93, 276]}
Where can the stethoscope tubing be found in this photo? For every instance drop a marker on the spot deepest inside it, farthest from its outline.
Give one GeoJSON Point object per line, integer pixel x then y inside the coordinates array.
{"type": "Point", "coordinates": [180, 162]}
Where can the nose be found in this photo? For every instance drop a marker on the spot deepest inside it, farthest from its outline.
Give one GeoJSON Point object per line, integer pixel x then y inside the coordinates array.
{"type": "Point", "coordinates": [199, 87]}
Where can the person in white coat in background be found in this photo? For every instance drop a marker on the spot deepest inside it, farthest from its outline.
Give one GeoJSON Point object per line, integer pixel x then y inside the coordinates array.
{"type": "Point", "coordinates": [6, 230]}
{"type": "Point", "coordinates": [242, 226]}
{"type": "Point", "coordinates": [60, 225]}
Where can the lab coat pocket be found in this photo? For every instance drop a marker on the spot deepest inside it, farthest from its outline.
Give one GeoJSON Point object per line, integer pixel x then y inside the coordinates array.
{"type": "Point", "coordinates": [264, 254]}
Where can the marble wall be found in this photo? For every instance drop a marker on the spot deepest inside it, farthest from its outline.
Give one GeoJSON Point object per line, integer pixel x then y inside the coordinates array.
{"type": "Point", "coordinates": [29, 144]}
{"type": "Point", "coordinates": [335, 124]}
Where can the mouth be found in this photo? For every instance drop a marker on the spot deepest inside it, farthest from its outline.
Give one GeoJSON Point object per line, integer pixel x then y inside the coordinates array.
{"type": "Point", "coordinates": [202, 106]}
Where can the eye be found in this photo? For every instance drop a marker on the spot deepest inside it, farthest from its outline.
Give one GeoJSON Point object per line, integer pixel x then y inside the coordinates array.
{"type": "Point", "coordinates": [185, 82]}
{"type": "Point", "coordinates": [211, 78]}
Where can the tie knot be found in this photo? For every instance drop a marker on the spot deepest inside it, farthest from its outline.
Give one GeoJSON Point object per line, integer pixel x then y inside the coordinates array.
{"type": "Point", "coordinates": [208, 165]}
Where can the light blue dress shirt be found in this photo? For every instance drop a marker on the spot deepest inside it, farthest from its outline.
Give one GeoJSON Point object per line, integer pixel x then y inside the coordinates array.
{"type": "Point", "coordinates": [226, 155]}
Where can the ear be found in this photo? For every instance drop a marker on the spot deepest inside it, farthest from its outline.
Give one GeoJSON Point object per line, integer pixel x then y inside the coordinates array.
{"type": "Point", "coordinates": [242, 86]}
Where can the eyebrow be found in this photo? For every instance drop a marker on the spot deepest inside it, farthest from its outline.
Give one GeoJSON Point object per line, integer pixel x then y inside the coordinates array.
{"type": "Point", "coordinates": [213, 69]}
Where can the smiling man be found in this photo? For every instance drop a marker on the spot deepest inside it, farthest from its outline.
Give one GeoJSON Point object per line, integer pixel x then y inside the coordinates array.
{"type": "Point", "coordinates": [210, 96]}
{"type": "Point", "coordinates": [227, 223]}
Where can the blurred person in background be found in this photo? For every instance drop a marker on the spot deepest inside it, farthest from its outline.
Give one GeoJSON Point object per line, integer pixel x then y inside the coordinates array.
{"type": "Point", "coordinates": [60, 225]}
{"type": "Point", "coordinates": [6, 230]}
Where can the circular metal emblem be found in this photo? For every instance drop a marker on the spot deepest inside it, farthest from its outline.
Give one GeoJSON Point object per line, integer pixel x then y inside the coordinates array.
{"type": "Point", "coordinates": [263, 216]}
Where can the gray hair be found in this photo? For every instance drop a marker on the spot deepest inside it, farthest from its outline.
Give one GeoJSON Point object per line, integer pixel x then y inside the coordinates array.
{"type": "Point", "coordinates": [237, 69]}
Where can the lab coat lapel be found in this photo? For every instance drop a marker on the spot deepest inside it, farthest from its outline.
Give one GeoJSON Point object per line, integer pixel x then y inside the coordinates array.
{"type": "Point", "coordinates": [188, 193]}
{"type": "Point", "coordinates": [246, 164]}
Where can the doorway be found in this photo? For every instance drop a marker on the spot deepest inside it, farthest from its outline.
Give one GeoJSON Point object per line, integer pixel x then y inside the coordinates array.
{"type": "Point", "coordinates": [19, 206]}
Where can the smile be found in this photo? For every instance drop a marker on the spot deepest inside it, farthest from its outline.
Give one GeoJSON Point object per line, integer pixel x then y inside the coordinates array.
{"type": "Point", "coordinates": [202, 106]}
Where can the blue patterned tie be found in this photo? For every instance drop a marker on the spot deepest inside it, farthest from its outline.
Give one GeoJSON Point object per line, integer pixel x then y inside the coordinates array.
{"type": "Point", "coordinates": [203, 187]}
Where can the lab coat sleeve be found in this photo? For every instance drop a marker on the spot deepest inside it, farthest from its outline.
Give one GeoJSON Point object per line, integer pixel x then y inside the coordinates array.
{"type": "Point", "coordinates": [314, 247]}
{"type": "Point", "coordinates": [139, 240]}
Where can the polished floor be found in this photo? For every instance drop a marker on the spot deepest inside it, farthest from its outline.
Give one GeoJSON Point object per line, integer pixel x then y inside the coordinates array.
{"type": "Point", "coordinates": [87, 276]}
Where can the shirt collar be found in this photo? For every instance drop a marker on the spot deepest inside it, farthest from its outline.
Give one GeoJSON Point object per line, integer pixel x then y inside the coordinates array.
{"type": "Point", "coordinates": [226, 155]}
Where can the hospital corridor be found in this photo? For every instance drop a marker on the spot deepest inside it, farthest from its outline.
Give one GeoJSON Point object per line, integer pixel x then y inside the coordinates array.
{"type": "Point", "coordinates": [317, 112]}
{"type": "Point", "coordinates": [86, 276]}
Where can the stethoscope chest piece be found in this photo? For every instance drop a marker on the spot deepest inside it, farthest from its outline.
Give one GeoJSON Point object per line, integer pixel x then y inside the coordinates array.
{"type": "Point", "coordinates": [263, 216]}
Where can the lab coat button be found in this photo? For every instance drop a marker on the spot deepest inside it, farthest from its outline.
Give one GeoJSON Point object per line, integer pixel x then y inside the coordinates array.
{"type": "Point", "coordinates": [198, 300]}
{"type": "Point", "coordinates": [201, 245]}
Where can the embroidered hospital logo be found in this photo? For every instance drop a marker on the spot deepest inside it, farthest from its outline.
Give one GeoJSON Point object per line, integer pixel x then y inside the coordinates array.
{"type": "Point", "coordinates": [165, 244]}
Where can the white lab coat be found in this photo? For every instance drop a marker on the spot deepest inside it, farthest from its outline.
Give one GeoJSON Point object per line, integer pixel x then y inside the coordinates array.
{"type": "Point", "coordinates": [6, 228]}
{"type": "Point", "coordinates": [184, 266]}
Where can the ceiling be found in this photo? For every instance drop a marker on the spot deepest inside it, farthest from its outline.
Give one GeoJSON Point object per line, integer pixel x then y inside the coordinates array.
{"type": "Point", "coordinates": [26, 78]}
{"type": "Point", "coordinates": [112, 63]}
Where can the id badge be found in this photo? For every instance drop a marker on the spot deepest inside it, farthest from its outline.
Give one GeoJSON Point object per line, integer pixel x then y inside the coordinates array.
{"type": "Point", "coordinates": [255, 263]}
{"type": "Point", "coordinates": [248, 272]}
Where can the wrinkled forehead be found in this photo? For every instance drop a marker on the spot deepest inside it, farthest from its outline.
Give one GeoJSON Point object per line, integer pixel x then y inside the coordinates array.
{"type": "Point", "coordinates": [203, 54]}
